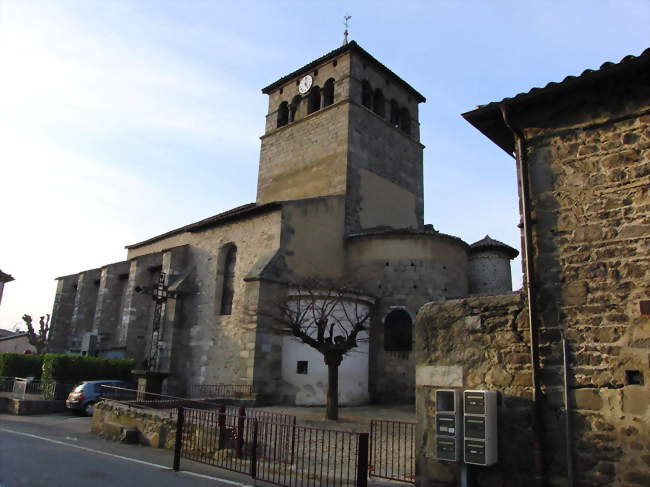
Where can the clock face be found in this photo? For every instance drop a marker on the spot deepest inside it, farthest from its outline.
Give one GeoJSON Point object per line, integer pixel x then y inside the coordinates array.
{"type": "Point", "coordinates": [304, 85]}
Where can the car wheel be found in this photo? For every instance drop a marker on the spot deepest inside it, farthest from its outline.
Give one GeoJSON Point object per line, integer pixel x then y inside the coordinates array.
{"type": "Point", "coordinates": [89, 408]}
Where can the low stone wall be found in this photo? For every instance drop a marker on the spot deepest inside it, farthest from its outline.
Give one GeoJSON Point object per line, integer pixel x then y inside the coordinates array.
{"type": "Point", "coordinates": [26, 406]}
{"type": "Point", "coordinates": [155, 428]}
{"type": "Point", "coordinates": [476, 343]}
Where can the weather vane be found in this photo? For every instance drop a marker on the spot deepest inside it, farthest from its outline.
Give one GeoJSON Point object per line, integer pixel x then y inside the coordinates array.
{"type": "Point", "coordinates": [345, 33]}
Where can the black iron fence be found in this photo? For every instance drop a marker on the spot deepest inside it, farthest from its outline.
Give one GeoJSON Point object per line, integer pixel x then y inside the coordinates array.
{"type": "Point", "coordinates": [392, 450]}
{"type": "Point", "coordinates": [272, 448]}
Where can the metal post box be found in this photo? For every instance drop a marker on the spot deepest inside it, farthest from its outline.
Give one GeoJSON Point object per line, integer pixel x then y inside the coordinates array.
{"type": "Point", "coordinates": [448, 425]}
{"type": "Point", "coordinates": [480, 445]}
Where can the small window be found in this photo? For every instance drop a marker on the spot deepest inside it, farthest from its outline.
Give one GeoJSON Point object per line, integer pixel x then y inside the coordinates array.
{"type": "Point", "coordinates": [283, 114]}
{"type": "Point", "coordinates": [398, 330]}
{"type": "Point", "coordinates": [634, 377]}
{"type": "Point", "coordinates": [302, 367]}
{"type": "Point", "coordinates": [228, 290]}
{"type": "Point", "coordinates": [314, 100]}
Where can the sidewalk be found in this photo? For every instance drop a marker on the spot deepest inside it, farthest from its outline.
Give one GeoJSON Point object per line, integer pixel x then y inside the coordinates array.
{"type": "Point", "coordinates": [355, 419]}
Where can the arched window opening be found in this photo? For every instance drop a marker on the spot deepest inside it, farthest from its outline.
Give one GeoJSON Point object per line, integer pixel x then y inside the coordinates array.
{"type": "Point", "coordinates": [398, 330]}
{"type": "Point", "coordinates": [293, 108]}
{"type": "Point", "coordinates": [314, 100]}
{"type": "Point", "coordinates": [328, 92]}
{"type": "Point", "coordinates": [283, 114]}
{"type": "Point", "coordinates": [394, 113]}
{"type": "Point", "coordinates": [228, 291]}
{"type": "Point", "coordinates": [366, 94]}
{"type": "Point", "coordinates": [405, 121]}
{"type": "Point", "coordinates": [379, 103]}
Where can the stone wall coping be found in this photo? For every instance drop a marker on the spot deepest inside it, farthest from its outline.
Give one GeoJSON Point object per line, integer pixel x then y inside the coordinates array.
{"type": "Point", "coordinates": [501, 299]}
{"type": "Point", "coordinates": [408, 233]}
{"type": "Point", "coordinates": [234, 214]}
{"type": "Point", "coordinates": [121, 262]}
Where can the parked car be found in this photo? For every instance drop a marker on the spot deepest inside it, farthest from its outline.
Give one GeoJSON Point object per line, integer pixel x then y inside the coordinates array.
{"type": "Point", "coordinates": [85, 395]}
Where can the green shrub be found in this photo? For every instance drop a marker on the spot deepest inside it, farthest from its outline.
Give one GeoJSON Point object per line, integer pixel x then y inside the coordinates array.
{"type": "Point", "coordinates": [76, 368]}
{"type": "Point", "coordinates": [20, 365]}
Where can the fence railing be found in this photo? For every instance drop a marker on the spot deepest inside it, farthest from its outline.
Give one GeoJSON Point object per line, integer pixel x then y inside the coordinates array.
{"type": "Point", "coordinates": [221, 391]}
{"type": "Point", "coordinates": [392, 450]}
{"type": "Point", "coordinates": [281, 452]}
{"type": "Point", "coordinates": [23, 387]}
{"type": "Point", "coordinates": [6, 384]}
{"type": "Point", "coordinates": [149, 400]}
{"type": "Point", "coordinates": [271, 447]}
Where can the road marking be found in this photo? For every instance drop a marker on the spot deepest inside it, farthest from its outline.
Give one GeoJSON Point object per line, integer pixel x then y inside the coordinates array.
{"type": "Point", "coordinates": [142, 462]}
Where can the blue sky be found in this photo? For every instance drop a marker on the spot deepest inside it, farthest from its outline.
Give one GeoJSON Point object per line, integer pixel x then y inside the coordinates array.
{"type": "Point", "coordinates": [120, 120]}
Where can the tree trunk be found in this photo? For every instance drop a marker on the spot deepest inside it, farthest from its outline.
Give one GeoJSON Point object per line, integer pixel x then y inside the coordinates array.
{"type": "Point", "coordinates": [332, 390]}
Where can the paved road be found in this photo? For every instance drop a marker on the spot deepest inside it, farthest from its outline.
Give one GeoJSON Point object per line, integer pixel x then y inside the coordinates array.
{"type": "Point", "coordinates": [59, 451]}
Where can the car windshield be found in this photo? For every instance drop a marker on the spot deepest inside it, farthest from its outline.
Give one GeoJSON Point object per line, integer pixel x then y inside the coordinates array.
{"type": "Point", "coordinates": [79, 388]}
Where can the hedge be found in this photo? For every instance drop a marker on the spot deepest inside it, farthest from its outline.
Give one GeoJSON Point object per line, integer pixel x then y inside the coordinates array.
{"type": "Point", "coordinates": [20, 365]}
{"type": "Point", "coordinates": [76, 368]}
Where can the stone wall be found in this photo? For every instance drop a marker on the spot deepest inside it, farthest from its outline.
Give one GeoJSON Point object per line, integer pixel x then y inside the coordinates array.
{"type": "Point", "coordinates": [589, 156]}
{"type": "Point", "coordinates": [489, 272]}
{"type": "Point", "coordinates": [211, 348]}
{"type": "Point", "coordinates": [476, 343]}
{"type": "Point", "coordinates": [23, 407]}
{"type": "Point", "coordinates": [155, 428]}
{"type": "Point", "coordinates": [404, 270]}
{"type": "Point", "coordinates": [306, 158]}
{"type": "Point", "coordinates": [589, 171]}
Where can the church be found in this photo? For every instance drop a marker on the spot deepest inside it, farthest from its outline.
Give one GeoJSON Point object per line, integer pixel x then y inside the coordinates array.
{"type": "Point", "coordinates": [339, 194]}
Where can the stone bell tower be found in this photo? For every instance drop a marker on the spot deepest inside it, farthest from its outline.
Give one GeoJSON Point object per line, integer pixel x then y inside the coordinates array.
{"type": "Point", "coordinates": [345, 125]}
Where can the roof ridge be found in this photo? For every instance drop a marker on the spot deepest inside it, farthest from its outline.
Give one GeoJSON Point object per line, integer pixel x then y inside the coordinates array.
{"type": "Point", "coordinates": [350, 46]}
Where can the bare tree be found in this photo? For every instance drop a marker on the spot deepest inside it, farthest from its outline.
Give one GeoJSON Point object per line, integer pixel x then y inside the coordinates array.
{"type": "Point", "coordinates": [327, 315]}
{"type": "Point", "coordinates": [38, 340]}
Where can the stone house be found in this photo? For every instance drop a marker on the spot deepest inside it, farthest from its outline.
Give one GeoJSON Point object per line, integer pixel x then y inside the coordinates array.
{"type": "Point", "coordinates": [339, 194]}
{"type": "Point", "coordinates": [15, 343]}
{"type": "Point", "coordinates": [582, 148]}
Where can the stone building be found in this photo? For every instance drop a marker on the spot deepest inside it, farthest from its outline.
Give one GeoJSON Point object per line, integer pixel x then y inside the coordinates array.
{"type": "Point", "coordinates": [582, 148]}
{"type": "Point", "coordinates": [339, 193]}
{"type": "Point", "coordinates": [17, 342]}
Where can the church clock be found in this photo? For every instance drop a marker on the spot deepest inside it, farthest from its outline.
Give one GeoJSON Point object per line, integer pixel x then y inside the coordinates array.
{"type": "Point", "coordinates": [305, 84]}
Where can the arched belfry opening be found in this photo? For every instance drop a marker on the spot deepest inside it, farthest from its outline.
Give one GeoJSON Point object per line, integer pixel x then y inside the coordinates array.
{"type": "Point", "coordinates": [328, 92]}
{"type": "Point", "coordinates": [398, 331]}
{"type": "Point", "coordinates": [314, 100]}
{"type": "Point", "coordinates": [405, 121]}
{"type": "Point", "coordinates": [228, 289]}
{"type": "Point", "coordinates": [379, 103]}
{"type": "Point", "coordinates": [366, 94]}
{"type": "Point", "coordinates": [293, 108]}
{"type": "Point", "coordinates": [394, 113]}
{"type": "Point", "coordinates": [283, 114]}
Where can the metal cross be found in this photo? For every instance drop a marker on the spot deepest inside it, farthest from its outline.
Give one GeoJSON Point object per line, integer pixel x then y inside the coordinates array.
{"type": "Point", "coordinates": [345, 33]}
{"type": "Point", "coordinates": [160, 293]}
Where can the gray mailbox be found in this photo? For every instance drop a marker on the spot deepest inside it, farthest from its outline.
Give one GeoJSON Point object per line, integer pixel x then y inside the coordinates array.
{"type": "Point", "coordinates": [480, 446]}
{"type": "Point", "coordinates": [448, 425]}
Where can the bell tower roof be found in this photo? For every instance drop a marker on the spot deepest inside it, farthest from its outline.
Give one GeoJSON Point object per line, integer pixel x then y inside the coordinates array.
{"type": "Point", "coordinates": [351, 46]}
